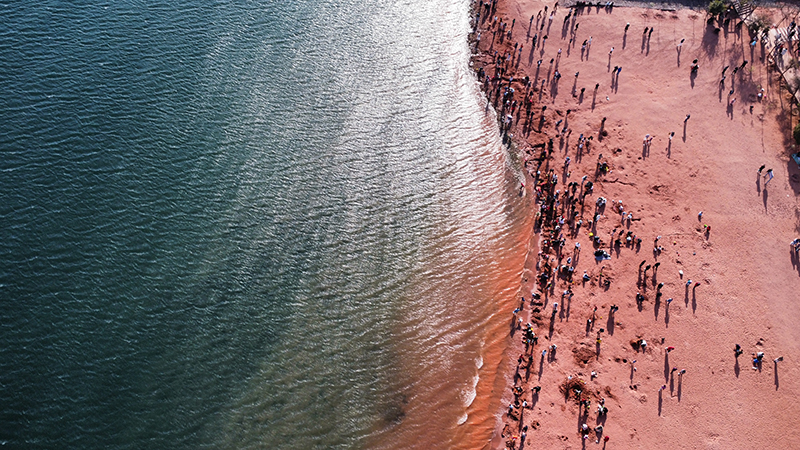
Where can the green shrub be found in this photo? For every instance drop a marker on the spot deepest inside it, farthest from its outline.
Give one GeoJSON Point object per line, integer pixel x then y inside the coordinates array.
{"type": "Point", "coordinates": [796, 133]}
{"type": "Point", "coordinates": [759, 23]}
{"type": "Point", "coordinates": [716, 7]}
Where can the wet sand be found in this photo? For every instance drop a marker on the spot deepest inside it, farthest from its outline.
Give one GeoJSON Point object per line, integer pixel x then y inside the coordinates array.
{"type": "Point", "coordinates": [745, 279]}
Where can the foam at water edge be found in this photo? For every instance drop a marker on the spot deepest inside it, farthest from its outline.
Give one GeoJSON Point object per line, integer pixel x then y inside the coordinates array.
{"type": "Point", "coordinates": [469, 392]}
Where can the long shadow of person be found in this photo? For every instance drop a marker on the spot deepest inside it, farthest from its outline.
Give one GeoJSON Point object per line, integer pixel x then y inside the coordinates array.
{"type": "Point", "coordinates": [554, 88]}
{"type": "Point", "coordinates": [686, 296]}
{"type": "Point", "coordinates": [657, 305]}
{"type": "Point", "coordinates": [684, 130]}
{"type": "Point", "coordinates": [776, 374]}
{"type": "Point", "coordinates": [660, 400]}
{"type": "Point", "coordinates": [795, 257]}
{"type": "Point", "coordinates": [765, 196]}
{"type": "Point", "coordinates": [601, 419]}
{"type": "Point", "coordinates": [541, 367]}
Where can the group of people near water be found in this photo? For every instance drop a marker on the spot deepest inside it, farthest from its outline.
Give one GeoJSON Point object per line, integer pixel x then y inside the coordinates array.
{"type": "Point", "coordinates": [562, 212]}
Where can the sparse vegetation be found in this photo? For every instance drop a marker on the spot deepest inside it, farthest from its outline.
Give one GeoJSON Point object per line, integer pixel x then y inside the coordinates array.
{"type": "Point", "coordinates": [760, 23]}
{"type": "Point", "coordinates": [796, 134]}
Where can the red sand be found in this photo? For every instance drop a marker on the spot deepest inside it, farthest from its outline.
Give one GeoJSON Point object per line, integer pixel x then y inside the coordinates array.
{"type": "Point", "coordinates": [749, 283]}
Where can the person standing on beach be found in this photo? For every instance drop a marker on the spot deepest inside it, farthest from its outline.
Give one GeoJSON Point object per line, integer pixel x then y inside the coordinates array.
{"type": "Point", "coordinates": [769, 174]}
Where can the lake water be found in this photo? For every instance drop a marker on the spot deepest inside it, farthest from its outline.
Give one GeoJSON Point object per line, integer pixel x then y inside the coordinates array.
{"type": "Point", "coordinates": [261, 224]}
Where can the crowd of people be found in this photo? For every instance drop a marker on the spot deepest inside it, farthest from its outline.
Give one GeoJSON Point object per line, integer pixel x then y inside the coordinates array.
{"type": "Point", "coordinates": [566, 205]}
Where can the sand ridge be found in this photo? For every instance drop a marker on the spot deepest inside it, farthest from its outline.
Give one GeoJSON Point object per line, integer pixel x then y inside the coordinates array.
{"type": "Point", "coordinates": [744, 278]}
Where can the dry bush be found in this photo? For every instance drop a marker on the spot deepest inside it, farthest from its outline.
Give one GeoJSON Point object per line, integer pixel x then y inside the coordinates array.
{"type": "Point", "coordinates": [583, 355]}
{"type": "Point", "coordinates": [573, 388]}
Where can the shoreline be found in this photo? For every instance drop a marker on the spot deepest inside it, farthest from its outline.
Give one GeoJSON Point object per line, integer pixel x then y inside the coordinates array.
{"type": "Point", "coordinates": [603, 354]}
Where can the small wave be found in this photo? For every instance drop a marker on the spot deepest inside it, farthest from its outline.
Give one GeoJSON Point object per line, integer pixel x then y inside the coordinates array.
{"type": "Point", "coordinates": [463, 419]}
{"type": "Point", "coordinates": [469, 392]}
{"type": "Point", "coordinates": [479, 361]}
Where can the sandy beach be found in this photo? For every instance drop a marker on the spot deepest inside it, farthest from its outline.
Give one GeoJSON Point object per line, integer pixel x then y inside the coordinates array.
{"type": "Point", "coordinates": [616, 82]}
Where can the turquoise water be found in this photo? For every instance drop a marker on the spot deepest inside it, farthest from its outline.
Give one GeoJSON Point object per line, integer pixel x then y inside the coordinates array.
{"type": "Point", "coordinates": [246, 224]}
